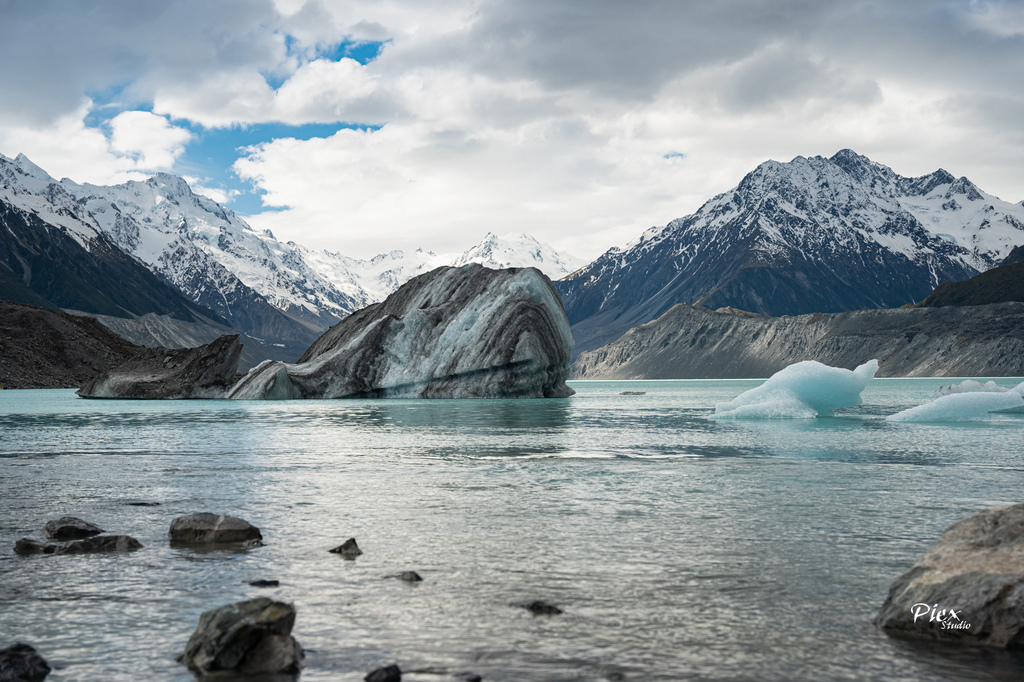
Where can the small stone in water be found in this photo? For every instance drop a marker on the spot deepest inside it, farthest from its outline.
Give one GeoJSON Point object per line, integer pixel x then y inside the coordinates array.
{"type": "Point", "coordinates": [70, 528]}
{"type": "Point", "coordinates": [21, 663]}
{"type": "Point", "coordinates": [388, 674]}
{"type": "Point", "coordinates": [408, 576]}
{"type": "Point", "coordinates": [349, 548]}
{"type": "Point", "coordinates": [542, 608]}
{"type": "Point", "coordinates": [265, 583]}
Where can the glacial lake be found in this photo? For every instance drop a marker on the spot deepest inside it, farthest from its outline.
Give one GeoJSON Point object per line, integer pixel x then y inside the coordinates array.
{"type": "Point", "coordinates": [679, 547]}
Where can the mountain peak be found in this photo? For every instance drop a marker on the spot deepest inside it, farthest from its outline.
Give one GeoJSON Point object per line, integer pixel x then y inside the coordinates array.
{"type": "Point", "coordinates": [26, 166]}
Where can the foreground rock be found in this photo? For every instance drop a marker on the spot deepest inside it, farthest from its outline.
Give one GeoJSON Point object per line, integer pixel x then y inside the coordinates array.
{"type": "Point", "coordinates": [159, 373]}
{"type": "Point", "coordinates": [348, 549]}
{"type": "Point", "coordinates": [688, 342]}
{"type": "Point", "coordinates": [250, 637]}
{"type": "Point", "coordinates": [21, 663]}
{"type": "Point", "coordinates": [391, 673]}
{"type": "Point", "coordinates": [70, 528]}
{"type": "Point", "coordinates": [212, 529]}
{"type": "Point", "coordinates": [968, 587]}
{"type": "Point", "coordinates": [93, 545]}
{"type": "Point", "coordinates": [467, 332]}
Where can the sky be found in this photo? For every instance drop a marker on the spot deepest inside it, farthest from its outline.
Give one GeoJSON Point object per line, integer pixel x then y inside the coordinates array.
{"type": "Point", "coordinates": [364, 127]}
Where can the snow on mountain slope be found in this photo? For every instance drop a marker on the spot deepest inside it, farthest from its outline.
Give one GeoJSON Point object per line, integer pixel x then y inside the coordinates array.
{"type": "Point", "coordinates": [519, 251]}
{"type": "Point", "coordinates": [219, 261]}
{"type": "Point", "coordinates": [811, 235]}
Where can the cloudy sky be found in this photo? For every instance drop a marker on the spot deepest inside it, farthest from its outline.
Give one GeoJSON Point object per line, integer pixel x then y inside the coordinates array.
{"type": "Point", "coordinates": [369, 126]}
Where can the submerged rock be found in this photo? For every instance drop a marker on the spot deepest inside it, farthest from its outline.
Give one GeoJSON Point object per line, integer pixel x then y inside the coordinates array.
{"type": "Point", "coordinates": [70, 528]}
{"type": "Point", "coordinates": [467, 332]}
{"type": "Point", "coordinates": [408, 576]}
{"type": "Point", "coordinates": [349, 549]}
{"type": "Point", "coordinates": [968, 587]}
{"type": "Point", "coordinates": [161, 373]}
{"type": "Point", "coordinates": [265, 583]}
{"type": "Point", "coordinates": [92, 545]}
{"type": "Point", "coordinates": [21, 663]}
{"type": "Point", "coordinates": [251, 637]}
{"type": "Point", "coordinates": [391, 673]}
{"type": "Point", "coordinates": [205, 528]}
{"type": "Point", "coordinates": [541, 608]}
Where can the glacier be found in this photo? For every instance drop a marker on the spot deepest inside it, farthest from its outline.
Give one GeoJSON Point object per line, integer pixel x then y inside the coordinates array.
{"type": "Point", "coordinates": [969, 400]}
{"type": "Point", "coordinates": [803, 390]}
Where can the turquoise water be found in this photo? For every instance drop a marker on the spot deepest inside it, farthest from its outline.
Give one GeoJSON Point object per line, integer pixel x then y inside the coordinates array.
{"type": "Point", "coordinates": [679, 547]}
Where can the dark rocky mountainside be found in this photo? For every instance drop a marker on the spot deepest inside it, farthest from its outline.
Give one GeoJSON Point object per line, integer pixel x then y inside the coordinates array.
{"type": "Point", "coordinates": [689, 342]}
{"type": "Point", "coordinates": [47, 349]}
{"type": "Point", "coordinates": [998, 285]}
{"type": "Point", "coordinates": [811, 235]}
{"type": "Point", "coordinates": [44, 265]}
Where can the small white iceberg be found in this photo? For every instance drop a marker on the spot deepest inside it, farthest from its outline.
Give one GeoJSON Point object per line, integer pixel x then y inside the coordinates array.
{"type": "Point", "coordinates": [967, 401]}
{"type": "Point", "coordinates": [803, 390]}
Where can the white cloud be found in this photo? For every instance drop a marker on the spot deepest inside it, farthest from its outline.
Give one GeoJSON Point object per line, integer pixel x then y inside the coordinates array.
{"type": "Point", "coordinates": [68, 148]}
{"type": "Point", "coordinates": [545, 116]}
{"type": "Point", "coordinates": [319, 91]}
{"type": "Point", "coordinates": [149, 139]}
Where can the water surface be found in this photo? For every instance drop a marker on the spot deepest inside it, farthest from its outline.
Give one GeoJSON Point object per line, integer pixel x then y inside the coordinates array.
{"type": "Point", "coordinates": [679, 547]}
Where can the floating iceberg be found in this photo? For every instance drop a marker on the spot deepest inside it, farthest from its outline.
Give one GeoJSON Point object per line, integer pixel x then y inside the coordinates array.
{"type": "Point", "coordinates": [967, 401]}
{"type": "Point", "coordinates": [801, 391]}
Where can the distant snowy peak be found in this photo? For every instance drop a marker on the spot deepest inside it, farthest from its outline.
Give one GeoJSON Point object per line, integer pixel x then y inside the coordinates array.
{"type": "Point", "coordinates": [519, 251]}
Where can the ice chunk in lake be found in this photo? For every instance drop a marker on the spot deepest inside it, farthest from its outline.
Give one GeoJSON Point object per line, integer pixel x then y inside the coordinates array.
{"type": "Point", "coordinates": [801, 391]}
{"type": "Point", "coordinates": [967, 401]}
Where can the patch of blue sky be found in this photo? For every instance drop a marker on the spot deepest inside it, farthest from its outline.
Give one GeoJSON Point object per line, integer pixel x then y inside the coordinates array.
{"type": "Point", "coordinates": [674, 155]}
{"type": "Point", "coordinates": [211, 152]}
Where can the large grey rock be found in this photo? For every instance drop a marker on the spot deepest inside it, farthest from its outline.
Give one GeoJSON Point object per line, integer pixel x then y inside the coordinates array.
{"type": "Point", "coordinates": [161, 373]}
{"type": "Point", "coordinates": [468, 332]}
{"type": "Point", "coordinates": [91, 545]}
{"type": "Point", "coordinates": [21, 663]}
{"type": "Point", "coordinates": [206, 528]}
{"type": "Point", "coordinates": [70, 528]}
{"type": "Point", "coordinates": [968, 587]}
{"type": "Point", "coordinates": [252, 637]}
{"type": "Point", "coordinates": [689, 342]}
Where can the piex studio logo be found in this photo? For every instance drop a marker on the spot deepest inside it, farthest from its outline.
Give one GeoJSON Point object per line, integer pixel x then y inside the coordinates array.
{"type": "Point", "coordinates": [947, 619]}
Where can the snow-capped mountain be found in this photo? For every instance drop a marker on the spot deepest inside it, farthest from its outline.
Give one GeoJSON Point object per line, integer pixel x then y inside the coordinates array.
{"type": "Point", "coordinates": [811, 235]}
{"type": "Point", "coordinates": [279, 292]}
{"type": "Point", "coordinates": [519, 251]}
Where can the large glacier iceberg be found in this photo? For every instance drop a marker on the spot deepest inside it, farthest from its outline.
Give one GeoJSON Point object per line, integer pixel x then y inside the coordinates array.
{"type": "Point", "coordinates": [967, 401]}
{"type": "Point", "coordinates": [468, 332]}
{"type": "Point", "coordinates": [801, 391]}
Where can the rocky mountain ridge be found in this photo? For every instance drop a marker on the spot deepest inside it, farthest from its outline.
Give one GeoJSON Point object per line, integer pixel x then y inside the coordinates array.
{"type": "Point", "coordinates": [811, 235]}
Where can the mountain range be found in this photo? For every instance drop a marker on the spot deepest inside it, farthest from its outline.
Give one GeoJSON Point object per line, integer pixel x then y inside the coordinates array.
{"type": "Point", "coordinates": [811, 235]}
{"type": "Point", "coordinates": [156, 247]}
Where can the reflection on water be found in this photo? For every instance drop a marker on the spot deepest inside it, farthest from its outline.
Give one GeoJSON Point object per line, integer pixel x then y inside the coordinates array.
{"type": "Point", "coordinates": [678, 546]}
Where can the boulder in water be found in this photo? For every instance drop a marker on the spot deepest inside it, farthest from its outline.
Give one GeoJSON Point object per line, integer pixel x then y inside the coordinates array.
{"type": "Point", "coordinates": [93, 545]}
{"type": "Point", "coordinates": [391, 673]}
{"type": "Point", "coordinates": [205, 528]}
{"type": "Point", "coordinates": [21, 663]}
{"type": "Point", "coordinates": [251, 637]}
{"type": "Point", "coordinates": [968, 587]}
{"type": "Point", "coordinates": [468, 332]}
{"type": "Point", "coordinates": [70, 528]}
{"type": "Point", "coordinates": [160, 373]}
{"type": "Point", "coordinates": [348, 549]}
